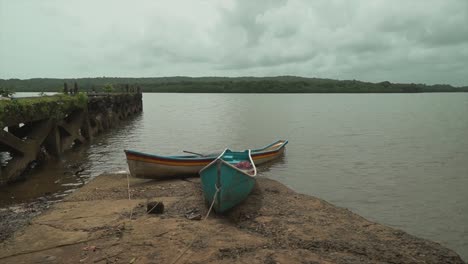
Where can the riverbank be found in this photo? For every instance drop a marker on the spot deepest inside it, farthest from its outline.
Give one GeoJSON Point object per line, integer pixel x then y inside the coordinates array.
{"type": "Point", "coordinates": [181, 84]}
{"type": "Point", "coordinates": [99, 224]}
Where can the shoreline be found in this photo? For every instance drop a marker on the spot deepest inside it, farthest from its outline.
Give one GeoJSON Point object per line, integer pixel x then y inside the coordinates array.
{"type": "Point", "coordinates": [274, 224]}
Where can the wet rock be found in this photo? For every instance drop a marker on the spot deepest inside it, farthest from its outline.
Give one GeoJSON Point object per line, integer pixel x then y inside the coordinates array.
{"type": "Point", "coordinates": [155, 207]}
{"type": "Point", "coordinates": [15, 217]}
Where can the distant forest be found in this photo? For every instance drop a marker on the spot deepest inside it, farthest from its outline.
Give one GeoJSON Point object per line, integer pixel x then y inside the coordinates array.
{"type": "Point", "coordinates": [280, 84]}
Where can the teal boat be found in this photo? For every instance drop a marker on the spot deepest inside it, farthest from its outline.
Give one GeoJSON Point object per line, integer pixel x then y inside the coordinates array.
{"type": "Point", "coordinates": [228, 180]}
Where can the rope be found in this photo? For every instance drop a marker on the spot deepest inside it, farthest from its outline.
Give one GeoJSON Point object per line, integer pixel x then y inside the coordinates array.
{"type": "Point", "coordinates": [212, 203]}
{"type": "Point", "coordinates": [198, 231]}
{"type": "Point", "coordinates": [128, 187]}
{"type": "Point", "coordinates": [129, 198]}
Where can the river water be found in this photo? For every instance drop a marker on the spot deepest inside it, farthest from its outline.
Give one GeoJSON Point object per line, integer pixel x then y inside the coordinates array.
{"type": "Point", "coordinates": [398, 159]}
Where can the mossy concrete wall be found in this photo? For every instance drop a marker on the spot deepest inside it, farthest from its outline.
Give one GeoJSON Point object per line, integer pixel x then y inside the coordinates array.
{"type": "Point", "coordinates": [36, 127]}
{"type": "Point", "coordinates": [23, 110]}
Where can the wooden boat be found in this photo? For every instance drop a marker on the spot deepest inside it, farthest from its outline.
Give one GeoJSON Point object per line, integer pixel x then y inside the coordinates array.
{"type": "Point", "coordinates": [150, 166]}
{"type": "Point", "coordinates": [228, 180]}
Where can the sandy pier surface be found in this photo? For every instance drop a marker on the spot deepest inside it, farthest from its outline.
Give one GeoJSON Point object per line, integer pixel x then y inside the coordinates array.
{"type": "Point", "coordinates": [100, 224]}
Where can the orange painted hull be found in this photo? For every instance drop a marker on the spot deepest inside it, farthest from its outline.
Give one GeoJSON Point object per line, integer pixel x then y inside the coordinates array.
{"type": "Point", "coordinates": [142, 165]}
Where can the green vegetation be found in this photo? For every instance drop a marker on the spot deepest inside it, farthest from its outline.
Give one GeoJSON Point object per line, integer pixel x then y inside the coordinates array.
{"type": "Point", "coordinates": [280, 84]}
{"type": "Point", "coordinates": [17, 110]}
{"type": "Point", "coordinates": [108, 88]}
{"type": "Point", "coordinates": [5, 92]}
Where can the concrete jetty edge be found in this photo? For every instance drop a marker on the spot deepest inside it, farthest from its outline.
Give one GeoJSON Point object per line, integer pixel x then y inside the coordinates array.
{"type": "Point", "coordinates": [99, 223]}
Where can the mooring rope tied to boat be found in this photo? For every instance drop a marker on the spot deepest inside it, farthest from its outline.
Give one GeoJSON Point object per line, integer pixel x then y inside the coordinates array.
{"type": "Point", "coordinates": [129, 198]}
{"type": "Point", "coordinates": [128, 187]}
{"type": "Point", "coordinates": [198, 231]}
{"type": "Point", "coordinates": [213, 202]}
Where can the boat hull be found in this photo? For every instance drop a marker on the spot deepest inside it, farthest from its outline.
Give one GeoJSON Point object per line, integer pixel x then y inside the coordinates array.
{"type": "Point", "coordinates": [262, 158]}
{"type": "Point", "coordinates": [148, 166]}
{"type": "Point", "coordinates": [226, 186]}
{"type": "Point", "coordinates": [141, 166]}
{"type": "Point", "coordinates": [148, 170]}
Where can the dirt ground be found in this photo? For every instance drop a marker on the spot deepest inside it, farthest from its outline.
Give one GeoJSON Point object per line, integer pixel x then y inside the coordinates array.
{"type": "Point", "coordinates": [100, 224]}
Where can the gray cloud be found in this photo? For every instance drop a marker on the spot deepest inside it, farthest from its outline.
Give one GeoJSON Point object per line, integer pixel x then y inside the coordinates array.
{"type": "Point", "coordinates": [400, 41]}
{"type": "Point", "coordinates": [245, 15]}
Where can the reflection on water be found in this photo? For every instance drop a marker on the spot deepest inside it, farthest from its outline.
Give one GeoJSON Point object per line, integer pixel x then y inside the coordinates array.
{"type": "Point", "coordinates": [399, 159]}
{"type": "Point", "coordinates": [59, 176]}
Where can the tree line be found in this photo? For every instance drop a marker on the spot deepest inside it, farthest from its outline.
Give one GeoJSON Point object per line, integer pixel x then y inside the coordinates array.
{"type": "Point", "coordinates": [280, 84]}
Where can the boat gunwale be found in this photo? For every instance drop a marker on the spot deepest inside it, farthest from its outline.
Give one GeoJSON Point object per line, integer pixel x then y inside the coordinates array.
{"type": "Point", "coordinates": [219, 159]}
{"type": "Point", "coordinates": [262, 150]}
{"type": "Point", "coordinates": [253, 153]}
{"type": "Point", "coordinates": [169, 158]}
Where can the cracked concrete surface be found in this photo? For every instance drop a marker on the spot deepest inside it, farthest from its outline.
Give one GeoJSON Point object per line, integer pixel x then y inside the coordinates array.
{"type": "Point", "coordinates": [99, 224]}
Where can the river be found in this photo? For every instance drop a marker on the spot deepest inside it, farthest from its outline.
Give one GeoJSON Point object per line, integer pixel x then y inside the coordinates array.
{"type": "Point", "coordinates": [398, 159]}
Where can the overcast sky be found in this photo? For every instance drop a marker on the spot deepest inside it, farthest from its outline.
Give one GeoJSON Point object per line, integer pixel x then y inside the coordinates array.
{"type": "Point", "coordinates": [422, 41]}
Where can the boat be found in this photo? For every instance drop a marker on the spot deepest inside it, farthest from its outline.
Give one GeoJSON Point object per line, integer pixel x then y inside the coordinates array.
{"type": "Point", "coordinates": [228, 180]}
{"type": "Point", "coordinates": [151, 166]}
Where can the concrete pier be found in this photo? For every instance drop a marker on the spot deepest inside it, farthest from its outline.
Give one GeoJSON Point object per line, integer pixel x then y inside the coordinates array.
{"type": "Point", "coordinates": [107, 222]}
{"type": "Point", "coordinates": [36, 127]}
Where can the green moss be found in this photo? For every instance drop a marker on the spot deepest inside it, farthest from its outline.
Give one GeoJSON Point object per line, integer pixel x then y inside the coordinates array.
{"type": "Point", "coordinates": [25, 109]}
